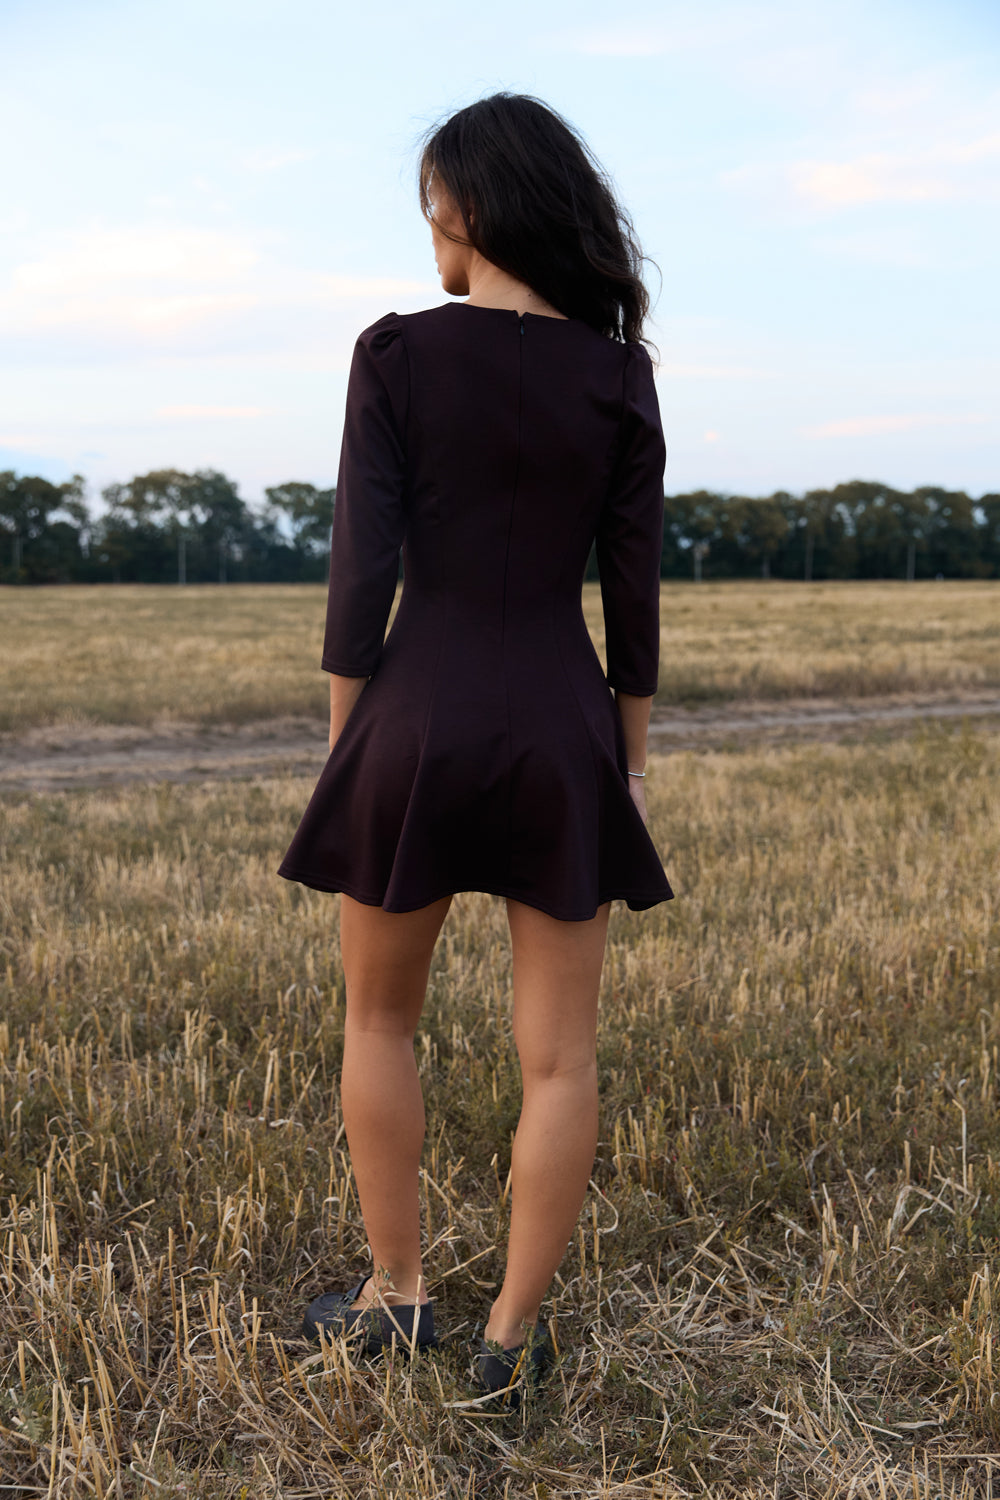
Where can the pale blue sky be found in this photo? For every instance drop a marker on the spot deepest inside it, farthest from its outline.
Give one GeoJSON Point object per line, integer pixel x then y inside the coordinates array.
{"type": "Point", "coordinates": [204, 201]}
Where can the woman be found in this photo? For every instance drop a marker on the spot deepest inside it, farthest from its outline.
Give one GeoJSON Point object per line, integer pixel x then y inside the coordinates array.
{"type": "Point", "coordinates": [478, 746]}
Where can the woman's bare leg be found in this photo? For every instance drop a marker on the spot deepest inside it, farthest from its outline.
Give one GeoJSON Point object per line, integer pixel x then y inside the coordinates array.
{"type": "Point", "coordinates": [386, 958]}
{"type": "Point", "coordinates": [557, 975]}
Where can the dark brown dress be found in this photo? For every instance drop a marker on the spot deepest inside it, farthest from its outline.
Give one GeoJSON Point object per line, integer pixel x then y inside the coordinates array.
{"type": "Point", "coordinates": [486, 753]}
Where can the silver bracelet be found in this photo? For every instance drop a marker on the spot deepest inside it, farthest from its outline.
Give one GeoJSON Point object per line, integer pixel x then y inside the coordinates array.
{"type": "Point", "coordinates": [637, 773]}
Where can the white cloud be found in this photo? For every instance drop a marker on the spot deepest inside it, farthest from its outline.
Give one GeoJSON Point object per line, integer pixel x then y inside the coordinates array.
{"type": "Point", "coordinates": [933, 173]}
{"type": "Point", "coordinates": [936, 105]}
{"type": "Point", "coordinates": [13, 221]}
{"type": "Point", "coordinates": [199, 413]}
{"type": "Point", "coordinates": [886, 245]}
{"type": "Point", "coordinates": [91, 260]}
{"type": "Point", "coordinates": [873, 426]}
{"type": "Point", "coordinates": [168, 288]}
{"type": "Point", "coordinates": [987, 147]}
{"type": "Point", "coordinates": [872, 179]}
{"type": "Point", "coordinates": [726, 26]}
{"type": "Point", "coordinates": [146, 317]}
{"type": "Point", "coordinates": [882, 177]}
{"type": "Point", "coordinates": [892, 98]}
{"type": "Point", "coordinates": [272, 159]}
{"type": "Point", "coordinates": [714, 372]}
{"type": "Point", "coordinates": [339, 287]}
{"type": "Point", "coordinates": [136, 282]}
{"type": "Point", "coordinates": [626, 41]}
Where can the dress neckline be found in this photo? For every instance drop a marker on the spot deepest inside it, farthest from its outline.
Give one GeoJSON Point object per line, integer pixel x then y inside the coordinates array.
{"type": "Point", "coordinates": [538, 317]}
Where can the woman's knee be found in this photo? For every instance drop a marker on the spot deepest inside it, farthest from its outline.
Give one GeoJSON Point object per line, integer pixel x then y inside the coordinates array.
{"type": "Point", "coordinates": [576, 1067]}
{"type": "Point", "coordinates": [555, 1041]}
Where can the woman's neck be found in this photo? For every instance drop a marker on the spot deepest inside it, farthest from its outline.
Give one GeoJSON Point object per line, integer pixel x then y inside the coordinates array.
{"type": "Point", "coordinates": [491, 287]}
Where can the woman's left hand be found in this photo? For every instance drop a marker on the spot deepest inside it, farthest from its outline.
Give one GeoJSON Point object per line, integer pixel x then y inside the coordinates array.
{"type": "Point", "coordinates": [344, 693]}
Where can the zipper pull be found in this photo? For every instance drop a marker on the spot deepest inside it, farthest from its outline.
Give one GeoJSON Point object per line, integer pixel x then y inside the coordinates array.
{"type": "Point", "coordinates": [522, 325]}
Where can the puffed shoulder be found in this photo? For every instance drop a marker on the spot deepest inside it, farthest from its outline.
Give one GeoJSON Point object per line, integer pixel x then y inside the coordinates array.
{"type": "Point", "coordinates": [381, 334]}
{"type": "Point", "coordinates": [380, 368]}
{"type": "Point", "coordinates": [638, 361]}
{"type": "Point", "coordinates": [640, 403]}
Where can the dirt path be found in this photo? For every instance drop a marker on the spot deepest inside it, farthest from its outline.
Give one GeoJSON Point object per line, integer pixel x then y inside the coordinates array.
{"type": "Point", "coordinates": [731, 724]}
{"type": "Point", "coordinates": [52, 759]}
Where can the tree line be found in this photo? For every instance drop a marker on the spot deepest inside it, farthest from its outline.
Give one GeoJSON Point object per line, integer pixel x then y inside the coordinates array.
{"type": "Point", "coordinates": [169, 526]}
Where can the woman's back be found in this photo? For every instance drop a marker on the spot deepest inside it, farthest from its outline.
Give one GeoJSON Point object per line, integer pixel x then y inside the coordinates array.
{"type": "Point", "coordinates": [493, 446]}
{"type": "Point", "coordinates": [512, 428]}
{"type": "Point", "coordinates": [485, 752]}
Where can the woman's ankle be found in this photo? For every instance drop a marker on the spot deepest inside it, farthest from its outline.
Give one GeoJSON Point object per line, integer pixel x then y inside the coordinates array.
{"type": "Point", "coordinates": [507, 1338]}
{"type": "Point", "coordinates": [401, 1291]}
{"type": "Point", "coordinates": [510, 1333]}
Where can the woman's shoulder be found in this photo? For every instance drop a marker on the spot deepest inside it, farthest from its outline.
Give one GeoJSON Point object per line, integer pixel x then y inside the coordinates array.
{"type": "Point", "coordinates": [637, 353]}
{"type": "Point", "coordinates": [392, 324]}
{"type": "Point", "coordinates": [639, 368]}
{"type": "Point", "coordinates": [384, 331]}
{"type": "Point", "coordinates": [401, 329]}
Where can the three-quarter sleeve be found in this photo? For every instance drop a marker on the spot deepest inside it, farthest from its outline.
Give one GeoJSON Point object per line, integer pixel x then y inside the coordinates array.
{"type": "Point", "coordinates": [368, 512]}
{"type": "Point", "coordinates": [629, 535]}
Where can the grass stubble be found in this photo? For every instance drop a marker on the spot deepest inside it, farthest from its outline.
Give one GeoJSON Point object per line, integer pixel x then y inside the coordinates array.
{"type": "Point", "coordinates": [154, 656]}
{"type": "Point", "coordinates": [785, 1279]}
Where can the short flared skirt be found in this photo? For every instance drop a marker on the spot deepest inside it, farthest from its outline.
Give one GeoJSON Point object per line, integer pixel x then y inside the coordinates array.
{"type": "Point", "coordinates": [503, 777]}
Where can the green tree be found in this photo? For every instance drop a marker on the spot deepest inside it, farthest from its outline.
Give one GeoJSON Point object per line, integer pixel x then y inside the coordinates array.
{"type": "Point", "coordinates": [40, 546]}
{"type": "Point", "coordinates": [870, 511]}
{"type": "Point", "coordinates": [308, 513]}
{"type": "Point", "coordinates": [912, 516]}
{"type": "Point", "coordinates": [951, 533]}
{"type": "Point", "coordinates": [214, 506]}
{"type": "Point", "coordinates": [130, 539]}
{"type": "Point", "coordinates": [988, 533]}
{"type": "Point", "coordinates": [692, 523]}
{"type": "Point", "coordinates": [758, 528]}
{"type": "Point", "coordinates": [157, 502]}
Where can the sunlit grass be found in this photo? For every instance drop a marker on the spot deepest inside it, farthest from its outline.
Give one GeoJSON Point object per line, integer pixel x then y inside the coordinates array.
{"type": "Point", "coordinates": [242, 653]}
{"type": "Point", "coordinates": [785, 1280]}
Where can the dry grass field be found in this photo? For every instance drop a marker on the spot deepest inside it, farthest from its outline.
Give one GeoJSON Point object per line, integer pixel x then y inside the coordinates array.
{"type": "Point", "coordinates": [786, 1281]}
{"type": "Point", "coordinates": [239, 654]}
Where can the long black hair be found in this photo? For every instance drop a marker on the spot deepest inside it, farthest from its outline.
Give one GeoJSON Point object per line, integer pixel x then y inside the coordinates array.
{"type": "Point", "coordinates": [535, 202]}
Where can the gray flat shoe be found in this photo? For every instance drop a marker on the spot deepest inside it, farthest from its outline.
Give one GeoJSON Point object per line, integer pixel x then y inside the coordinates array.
{"type": "Point", "coordinates": [506, 1372]}
{"type": "Point", "coordinates": [368, 1329]}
